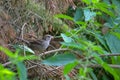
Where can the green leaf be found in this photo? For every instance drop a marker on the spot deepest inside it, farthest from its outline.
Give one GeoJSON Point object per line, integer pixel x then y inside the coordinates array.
{"type": "Point", "coordinates": [63, 16]}
{"type": "Point", "coordinates": [69, 67]}
{"type": "Point", "coordinates": [117, 4]}
{"type": "Point", "coordinates": [117, 34]}
{"type": "Point", "coordinates": [83, 72]}
{"type": "Point", "coordinates": [6, 74]}
{"type": "Point", "coordinates": [75, 45]}
{"type": "Point", "coordinates": [100, 38]}
{"type": "Point", "coordinates": [7, 52]}
{"type": "Point", "coordinates": [60, 59]}
{"type": "Point", "coordinates": [29, 57]}
{"type": "Point", "coordinates": [88, 14]}
{"type": "Point", "coordinates": [104, 8]}
{"type": "Point", "coordinates": [67, 77]}
{"type": "Point", "coordinates": [66, 39]}
{"type": "Point", "coordinates": [112, 22]}
{"type": "Point", "coordinates": [107, 2]}
{"type": "Point", "coordinates": [95, 1]}
{"type": "Point", "coordinates": [22, 71]}
{"type": "Point", "coordinates": [24, 48]}
{"type": "Point", "coordinates": [80, 22]}
{"type": "Point", "coordinates": [93, 75]}
{"type": "Point", "coordinates": [113, 43]}
{"type": "Point", "coordinates": [78, 14]}
{"type": "Point", "coordinates": [98, 49]}
{"type": "Point", "coordinates": [105, 77]}
{"type": "Point", "coordinates": [87, 1]}
{"type": "Point", "coordinates": [107, 67]}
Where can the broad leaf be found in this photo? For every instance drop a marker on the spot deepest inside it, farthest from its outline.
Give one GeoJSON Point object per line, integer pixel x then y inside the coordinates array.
{"type": "Point", "coordinates": [75, 45]}
{"type": "Point", "coordinates": [93, 75]}
{"type": "Point", "coordinates": [117, 34]}
{"type": "Point", "coordinates": [117, 4]}
{"type": "Point", "coordinates": [95, 1]}
{"type": "Point", "coordinates": [60, 59]}
{"type": "Point", "coordinates": [89, 15]}
{"type": "Point", "coordinates": [6, 74]}
{"type": "Point", "coordinates": [78, 14]}
{"type": "Point", "coordinates": [87, 1]}
{"type": "Point", "coordinates": [22, 71]}
{"type": "Point", "coordinates": [69, 67]}
{"type": "Point", "coordinates": [113, 43]}
{"type": "Point", "coordinates": [104, 8]}
{"type": "Point", "coordinates": [107, 67]}
{"type": "Point", "coordinates": [7, 52]}
{"type": "Point", "coordinates": [66, 39]}
{"type": "Point", "coordinates": [24, 48]}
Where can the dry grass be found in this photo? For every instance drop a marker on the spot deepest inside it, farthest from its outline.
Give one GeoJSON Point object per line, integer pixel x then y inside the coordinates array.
{"type": "Point", "coordinates": [17, 19]}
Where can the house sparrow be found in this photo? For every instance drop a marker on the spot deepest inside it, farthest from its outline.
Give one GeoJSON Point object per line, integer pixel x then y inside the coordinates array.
{"type": "Point", "coordinates": [40, 45]}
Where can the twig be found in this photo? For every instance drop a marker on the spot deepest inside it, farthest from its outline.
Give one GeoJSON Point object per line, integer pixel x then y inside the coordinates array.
{"type": "Point", "coordinates": [22, 30]}
{"type": "Point", "coordinates": [52, 70]}
{"type": "Point", "coordinates": [92, 66]}
{"type": "Point", "coordinates": [112, 54]}
{"type": "Point", "coordinates": [99, 66]}
{"type": "Point", "coordinates": [7, 63]}
{"type": "Point", "coordinates": [42, 54]}
{"type": "Point", "coordinates": [52, 51]}
{"type": "Point", "coordinates": [23, 40]}
{"type": "Point", "coordinates": [103, 55]}
{"type": "Point", "coordinates": [32, 67]}
{"type": "Point", "coordinates": [65, 49]}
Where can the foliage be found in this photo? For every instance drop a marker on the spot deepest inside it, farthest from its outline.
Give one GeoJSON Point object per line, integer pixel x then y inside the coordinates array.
{"type": "Point", "coordinates": [17, 60]}
{"type": "Point", "coordinates": [95, 32]}
{"type": "Point", "coordinates": [87, 39]}
{"type": "Point", "coordinates": [63, 59]}
{"type": "Point", "coordinates": [6, 74]}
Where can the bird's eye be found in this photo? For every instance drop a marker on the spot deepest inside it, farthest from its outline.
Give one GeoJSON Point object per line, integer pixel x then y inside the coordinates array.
{"type": "Point", "coordinates": [48, 36]}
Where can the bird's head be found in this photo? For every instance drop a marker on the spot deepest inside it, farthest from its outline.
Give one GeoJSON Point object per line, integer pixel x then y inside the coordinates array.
{"type": "Point", "coordinates": [47, 37]}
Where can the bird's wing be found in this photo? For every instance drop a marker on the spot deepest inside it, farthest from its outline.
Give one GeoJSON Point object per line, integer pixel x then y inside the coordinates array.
{"type": "Point", "coordinates": [37, 42]}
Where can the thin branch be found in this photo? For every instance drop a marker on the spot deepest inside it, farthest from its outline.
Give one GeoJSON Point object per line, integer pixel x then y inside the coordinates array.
{"type": "Point", "coordinates": [52, 70]}
{"type": "Point", "coordinates": [42, 54]}
{"type": "Point", "coordinates": [111, 54]}
{"type": "Point", "coordinates": [65, 49]}
{"type": "Point", "coordinates": [99, 66]}
{"type": "Point", "coordinates": [22, 33]}
{"type": "Point", "coordinates": [52, 51]}
{"type": "Point", "coordinates": [23, 40]}
{"type": "Point", "coordinates": [32, 67]}
{"type": "Point", "coordinates": [7, 63]}
{"type": "Point", "coordinates": [22, 30]}
{"type": "Point", "coordinates": [92, 66]}
{"type": "Point", "coordinates": [103, 55]}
